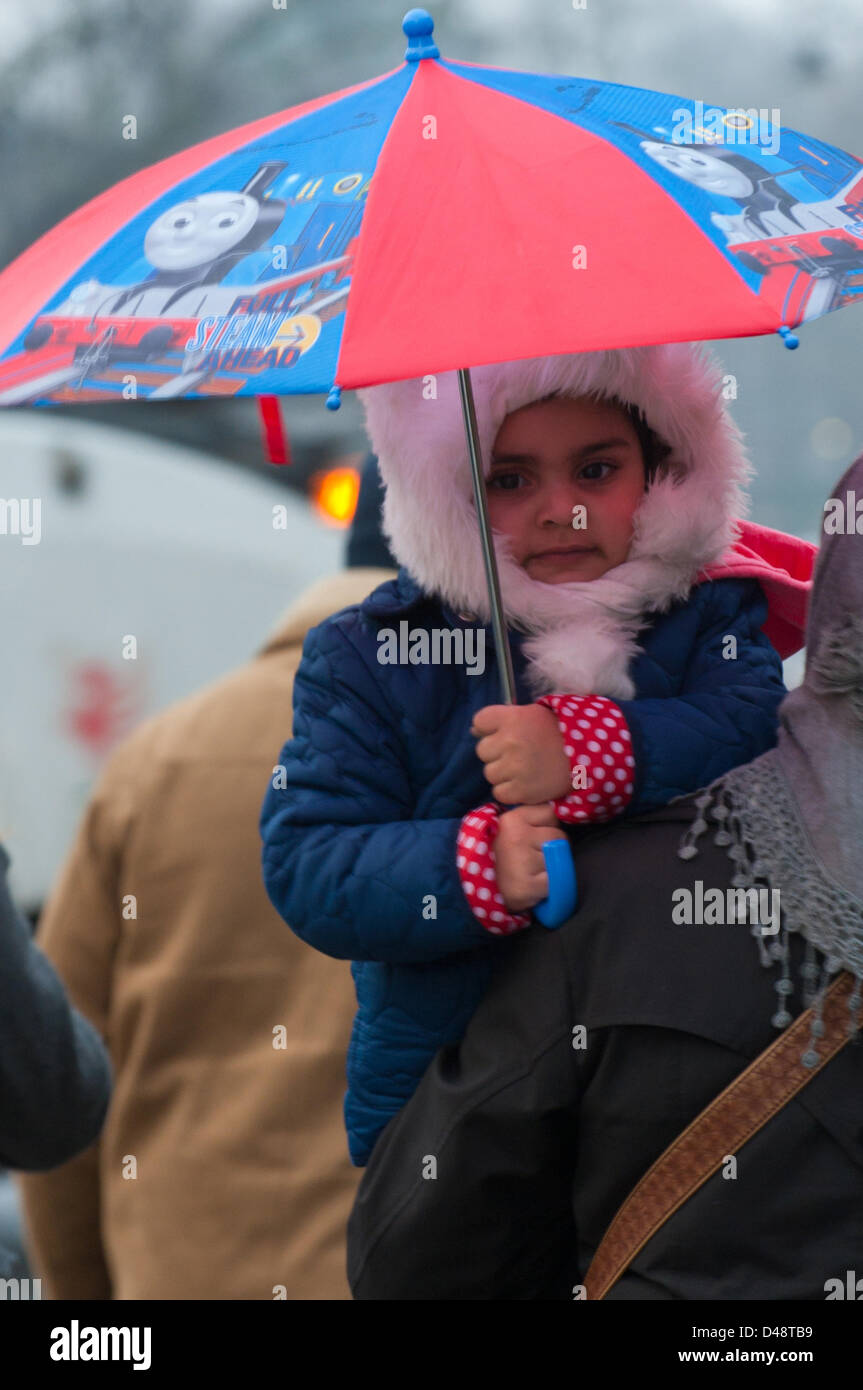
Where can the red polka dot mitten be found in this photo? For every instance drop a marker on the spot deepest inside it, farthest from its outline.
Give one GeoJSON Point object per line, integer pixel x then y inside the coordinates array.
{"type": "Point", "coordinates": [476, 867]}
{"type": "Point", "coordinates": [598, 743]}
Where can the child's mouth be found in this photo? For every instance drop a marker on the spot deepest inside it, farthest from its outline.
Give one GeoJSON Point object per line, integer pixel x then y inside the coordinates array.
{"type": "Point", "coordinates": [569, 556]}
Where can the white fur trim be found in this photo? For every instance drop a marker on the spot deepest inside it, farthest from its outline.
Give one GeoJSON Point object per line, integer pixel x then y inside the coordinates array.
{"type": "Point", "coordinates": [583, 634]}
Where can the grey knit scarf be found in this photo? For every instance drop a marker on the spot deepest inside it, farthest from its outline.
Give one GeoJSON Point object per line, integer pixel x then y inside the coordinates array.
{"type": "Point", "coordinates": [793, 819]}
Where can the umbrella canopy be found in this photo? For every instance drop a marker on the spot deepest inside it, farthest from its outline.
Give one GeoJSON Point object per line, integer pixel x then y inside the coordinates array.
{"type": "Point", "coordinates": [442, 215]}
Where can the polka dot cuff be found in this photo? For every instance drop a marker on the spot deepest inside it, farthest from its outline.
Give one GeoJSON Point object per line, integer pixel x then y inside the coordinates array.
{"type": "Point", "coordinates": [599, 747]}
{"type": "Point", "coordinates": [476, 867]}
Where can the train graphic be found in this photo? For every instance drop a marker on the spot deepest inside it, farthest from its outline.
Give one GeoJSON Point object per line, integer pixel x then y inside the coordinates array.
{"type": "Point", "coordinates": [182, 329]}
{"type": "Point", "coordinates": [800, 229]}
{"type": "Point", "coordinates": [193, 324]}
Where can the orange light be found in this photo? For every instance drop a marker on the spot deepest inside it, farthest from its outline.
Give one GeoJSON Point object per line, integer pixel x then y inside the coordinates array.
{"type": "Point", "coordinates": [335, 494]}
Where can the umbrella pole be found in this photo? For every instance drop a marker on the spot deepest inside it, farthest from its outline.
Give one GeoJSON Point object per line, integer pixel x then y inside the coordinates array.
{"type": "Point", "coordinates": [501, 637]}
{"type": "Point", "coordinates": [562, 888]}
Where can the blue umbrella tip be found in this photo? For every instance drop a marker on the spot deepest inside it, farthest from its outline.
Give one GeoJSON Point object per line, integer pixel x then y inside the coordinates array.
{"type": "Point", "coordinates": [417, 22]}
{"type": "Point", "coordinates": [789, 339]}
{"type": "Point", "coordinates": [418, 27]}
{"type": "Point", "coordinates": [334, 399]}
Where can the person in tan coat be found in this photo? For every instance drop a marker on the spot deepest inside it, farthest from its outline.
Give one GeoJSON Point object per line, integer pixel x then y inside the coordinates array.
{"type": "Point", "coordinates": [222, 1171]}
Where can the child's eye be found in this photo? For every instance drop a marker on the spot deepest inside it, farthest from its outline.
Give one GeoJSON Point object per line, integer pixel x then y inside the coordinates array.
{"type": "Point", "coordinates": [506, 482]}
{"type": "Point", "coordinates": [590, 473]}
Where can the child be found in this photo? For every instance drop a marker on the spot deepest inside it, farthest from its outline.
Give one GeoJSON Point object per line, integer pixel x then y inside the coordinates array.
{"type": "Point", "coordinates": [614, 480]}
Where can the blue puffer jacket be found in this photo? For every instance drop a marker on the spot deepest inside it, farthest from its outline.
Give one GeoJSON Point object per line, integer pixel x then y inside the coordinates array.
{"type": "Point", "coordinates": [360, 831]}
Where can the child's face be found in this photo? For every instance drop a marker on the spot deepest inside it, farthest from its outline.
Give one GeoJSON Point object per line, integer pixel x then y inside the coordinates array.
{"type": "Point", "coordinates": [546, 460]}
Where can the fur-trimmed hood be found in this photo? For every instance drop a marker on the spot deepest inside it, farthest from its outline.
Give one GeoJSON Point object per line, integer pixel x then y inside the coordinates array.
{"type": "Point", "coordinates": [582, 634]}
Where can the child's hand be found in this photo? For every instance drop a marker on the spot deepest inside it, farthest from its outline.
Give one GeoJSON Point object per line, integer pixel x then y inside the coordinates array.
{"type": "Point", "coordinates": [519, 864]}
{"type": "Point", "coordinates": [522, 748]}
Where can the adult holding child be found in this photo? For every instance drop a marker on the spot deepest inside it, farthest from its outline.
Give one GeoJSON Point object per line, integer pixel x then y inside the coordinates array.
{"type": "Point", "coordinates": [599, 1044]}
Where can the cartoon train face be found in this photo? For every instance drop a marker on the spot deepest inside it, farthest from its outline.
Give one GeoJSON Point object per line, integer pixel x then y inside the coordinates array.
{"type": "Point", "coordinates": [191, 247]}
{"type": "Point", "coordinates": [208, 233]}
{"type": "Point", "coordinates": [767, 210]}
{"type": "Point", "coordinates": [698, 166]}
{"type": "Point", "coordinates": [200, 230]}
{"type": "Point", "coordinates": [168, 319]}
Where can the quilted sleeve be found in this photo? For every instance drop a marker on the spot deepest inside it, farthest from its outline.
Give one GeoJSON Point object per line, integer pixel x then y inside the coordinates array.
{"type": "Point", "coordinates": [726, 713]}
{"type": "Point", "coordinates": [344, 861]}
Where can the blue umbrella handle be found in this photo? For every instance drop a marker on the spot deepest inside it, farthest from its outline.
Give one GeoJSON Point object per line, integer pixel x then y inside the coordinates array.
{"type": "Point", "coordinates": [560, 904]}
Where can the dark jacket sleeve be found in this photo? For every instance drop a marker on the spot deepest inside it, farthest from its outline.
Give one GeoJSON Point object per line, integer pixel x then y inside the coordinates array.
{"type": "Point", "coordinates": [344, 862]}
{"type": "Point", "coordinates": [726, 713]}
{"type": "Point", "coordinates": [468, 1192]}
{"type": "Point", "coordinates": [55, 1076]}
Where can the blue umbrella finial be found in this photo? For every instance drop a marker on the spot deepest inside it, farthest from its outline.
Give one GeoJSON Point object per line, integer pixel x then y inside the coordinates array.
{"type": "Point", "coordinates": [334, 399]}
{"type": "Point", "coordinates": [418, 27]}
{"type": "Point", "coordinates": [789, 339]}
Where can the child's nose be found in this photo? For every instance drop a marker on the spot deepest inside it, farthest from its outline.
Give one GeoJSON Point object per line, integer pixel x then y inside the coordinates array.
{"type": "Point", "coordinates": [556, 506]}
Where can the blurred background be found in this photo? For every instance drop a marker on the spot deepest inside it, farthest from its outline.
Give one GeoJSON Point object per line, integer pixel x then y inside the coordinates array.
{"type": "Point", "coordinates": [160, 512]}
{"type": "Point", "coordinates": [158, 516]}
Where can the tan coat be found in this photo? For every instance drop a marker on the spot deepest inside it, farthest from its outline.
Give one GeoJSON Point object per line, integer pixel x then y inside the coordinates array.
{"type": "Point", "coordinates": [222, 1170]}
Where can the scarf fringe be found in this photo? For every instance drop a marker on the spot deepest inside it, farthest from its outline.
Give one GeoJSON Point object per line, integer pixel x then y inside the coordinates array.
{"type": "Point", "coordinates": [757, 822]}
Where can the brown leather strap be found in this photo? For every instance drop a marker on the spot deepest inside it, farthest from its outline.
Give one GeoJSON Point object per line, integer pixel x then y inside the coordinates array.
{"type": "Point", "coordinates": [728, 1122]}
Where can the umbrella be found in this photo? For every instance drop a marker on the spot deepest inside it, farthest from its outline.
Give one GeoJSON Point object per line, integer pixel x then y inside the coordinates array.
{"type": "Point", "coordinates": [439, 216]}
